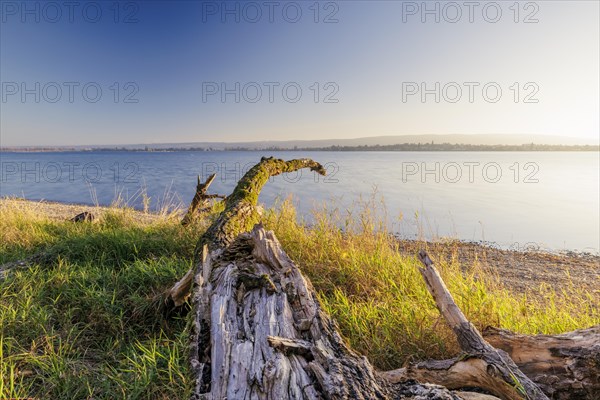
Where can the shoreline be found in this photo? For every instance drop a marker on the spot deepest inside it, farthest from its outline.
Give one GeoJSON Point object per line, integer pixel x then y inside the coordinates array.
{"type": "Point", "coordinates": [533, 247]}
{"type": "Point", "coordinates": [519, 271]}
{"type": "Point", "coordinates": [62, 211]}
{"type": "Point", "coordinates": [522, 271]}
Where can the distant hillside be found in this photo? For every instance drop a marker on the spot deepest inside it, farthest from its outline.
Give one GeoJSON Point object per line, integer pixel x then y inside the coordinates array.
{"type": "Point", "coordinates": [453, 139]}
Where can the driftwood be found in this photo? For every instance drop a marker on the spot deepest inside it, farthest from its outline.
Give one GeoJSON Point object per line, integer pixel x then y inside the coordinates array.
{"type": "Point", "coordinates": [85, 216]}
{"type": "Point", "coordinates": [565, 366]}
{"type": "Point", "coordinates": [200, 199]}
{"type": "Point", "coordinates": [257, 330]}
{"type": "Point", "coordinates": [481, 365]}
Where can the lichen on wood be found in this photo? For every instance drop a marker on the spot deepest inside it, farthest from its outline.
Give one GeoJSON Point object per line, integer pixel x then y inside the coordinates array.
{"type": "Point", "coordinates": [240, 213]}
{"type": "Point", "coordinates": [258, 332]}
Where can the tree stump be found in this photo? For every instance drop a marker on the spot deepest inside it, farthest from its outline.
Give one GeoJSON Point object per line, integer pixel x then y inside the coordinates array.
{"type": "Point", "coordinates": [260, 333]}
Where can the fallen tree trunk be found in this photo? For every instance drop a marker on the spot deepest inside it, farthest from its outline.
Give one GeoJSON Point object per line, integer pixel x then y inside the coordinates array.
{"type": "Point", "coordinates": [258, 332]}
{"type": "Point", "coordinates": [565, 366]}
{"type": "Point", "coordinates": [481, 365]}
{"type": "Point", "coordinates": [257, 328]}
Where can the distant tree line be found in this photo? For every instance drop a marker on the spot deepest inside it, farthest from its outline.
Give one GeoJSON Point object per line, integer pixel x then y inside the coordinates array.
{"type": "Point", "coordinates": [430, 146]}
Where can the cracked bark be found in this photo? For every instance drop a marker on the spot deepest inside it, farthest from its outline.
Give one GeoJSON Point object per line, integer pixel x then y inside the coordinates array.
{"type": "Point", "coordinates": [257, 328]}
{"type": "Point", "coordinates": [258, 332]}
{"type": "Point", "coordinates": [565, 366]}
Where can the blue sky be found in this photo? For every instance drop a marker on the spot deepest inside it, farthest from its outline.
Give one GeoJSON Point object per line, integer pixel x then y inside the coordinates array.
{"type": "Point", "coordinates": [361, 67]}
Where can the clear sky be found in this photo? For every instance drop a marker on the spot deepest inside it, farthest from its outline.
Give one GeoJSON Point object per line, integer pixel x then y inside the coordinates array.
{"type": "Point", "coordinates": [76, 73]}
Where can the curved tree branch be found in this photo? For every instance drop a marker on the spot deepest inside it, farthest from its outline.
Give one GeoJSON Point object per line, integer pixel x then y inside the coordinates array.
{"type": "Point", "coordinates": [239, 216]}
{"type": "Point", "coordinates": [240, 213]}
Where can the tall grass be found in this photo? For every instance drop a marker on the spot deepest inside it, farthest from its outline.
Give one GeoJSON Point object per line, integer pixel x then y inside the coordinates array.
{"type": "Point", "coordinates": [379, 299]}
{"type": "Point", "coordinates": [82, 322]}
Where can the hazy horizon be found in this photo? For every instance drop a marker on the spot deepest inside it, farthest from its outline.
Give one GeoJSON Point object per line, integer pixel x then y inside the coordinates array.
{"type": "Point", "coordinates": [469, 139]}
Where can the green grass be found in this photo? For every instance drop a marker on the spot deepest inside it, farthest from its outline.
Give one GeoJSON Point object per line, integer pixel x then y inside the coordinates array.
{"type": "Point", "coordinates": [379, 298]}
{"type": "Point", "coordinates": [83, 321]}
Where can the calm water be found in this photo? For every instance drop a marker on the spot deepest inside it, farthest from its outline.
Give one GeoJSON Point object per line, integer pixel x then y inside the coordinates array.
{"type": "Point", "coordinates": [546, 200]}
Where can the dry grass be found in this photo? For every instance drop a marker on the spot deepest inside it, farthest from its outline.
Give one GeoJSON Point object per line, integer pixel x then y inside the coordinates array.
{"type": "Point", "coordinates": [81, 321]}
{"type": "Point", "coordinates": [380, 301]}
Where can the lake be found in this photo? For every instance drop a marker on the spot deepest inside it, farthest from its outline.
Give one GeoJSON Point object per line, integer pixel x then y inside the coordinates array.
{"type": "Point", "coordinates": [547, 200]}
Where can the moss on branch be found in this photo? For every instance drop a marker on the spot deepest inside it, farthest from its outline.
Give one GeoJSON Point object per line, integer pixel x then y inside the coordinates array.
{"type": "Point", "coordinates": [240, 213]}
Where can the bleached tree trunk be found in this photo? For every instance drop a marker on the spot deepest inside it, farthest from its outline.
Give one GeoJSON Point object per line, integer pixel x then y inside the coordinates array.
{"type": "Point", "coordinates": [258, 331]}
{"type": "Point", "coordinates": [565, 366]}
{"type": "Point", "coordinates": [481, 364]}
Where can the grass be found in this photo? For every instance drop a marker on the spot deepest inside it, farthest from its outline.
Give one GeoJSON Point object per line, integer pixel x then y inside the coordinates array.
{"type": "Point", "coordinates": [380, 301]}
{"type": "Point", "coordinates": [83, 323]}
